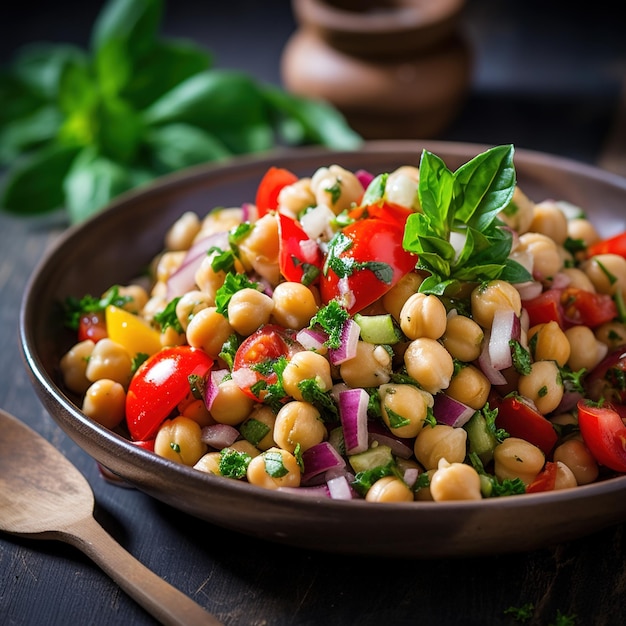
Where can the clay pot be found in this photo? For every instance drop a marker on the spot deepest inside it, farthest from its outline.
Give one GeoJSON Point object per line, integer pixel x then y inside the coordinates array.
{"type": "Point", "coordinates": [394, 68]}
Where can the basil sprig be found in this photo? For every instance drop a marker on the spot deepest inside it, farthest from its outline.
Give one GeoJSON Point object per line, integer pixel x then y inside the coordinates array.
{"type": "Point", "coordinates": [458, 236]}
{"type": "Point", "coordinates": [79, 127]}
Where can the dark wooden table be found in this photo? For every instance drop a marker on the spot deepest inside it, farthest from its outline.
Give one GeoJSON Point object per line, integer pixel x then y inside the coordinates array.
{"type": "Point", "coordinates": [545, 79]}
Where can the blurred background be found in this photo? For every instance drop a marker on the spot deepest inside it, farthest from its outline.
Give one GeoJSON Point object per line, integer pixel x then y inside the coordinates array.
{"type": "Point", "coordinates": [545, 75]}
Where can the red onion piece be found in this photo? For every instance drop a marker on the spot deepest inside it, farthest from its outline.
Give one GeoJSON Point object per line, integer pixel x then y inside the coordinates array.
{"type": "Point", "coordinates": [411, 474]}
{"type": "Point", "coordinates": [320, 458]}
{"type": "Point", "coordinates": [318, 491]}
{"type": "Point", "coordinates": [350, 333]}
{"type": "Point", "coordinates": [311, 339]}
{"type": "Point", "coordinates": [184, 278]}
{"type": "Point", "coordinates": [213, 380]}
{"type": "Point", "coordinates": [364, 177]}
{"type": "Point", "coordinates": [219, 436]}
{"type": "Point", "coordinates": [353, 413]}
{"type": "Point", "coordinates": [496, 377]}
{"type": "Point", "coordinates": [506, 326]}
{"type": "Point", "coordinates": [339, 488]}
{"type": "Point", "coordinates": [529, 290]}
{"type": "Point", "coordinates": [449, 411]}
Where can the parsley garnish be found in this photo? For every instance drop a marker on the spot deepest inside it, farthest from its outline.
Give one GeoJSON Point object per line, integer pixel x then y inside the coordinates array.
{"type": "Point", "coordinates": [254, 430]}
{"type": "Point", "coordinates": [137, 360]}
{"type": "Point", "coordinates": [274, 465]}
{"type": "Point", "coordinates": [320, 399]}
{"type": "Point", "coordinates": [364, 480]}
{"type": "Point", "coordinates": [233, 463]}
{"type": "Point", "coordinates": [232, 284]}
{"type": "Point", "coordinates": [75, 308]}
{"type": "Point", "coordinates": [521, 357]}
{"type": "Point", "coordinates": [464, 206]}
{"type": "Point", "coordinates": [168, 318]}
{"type": "Point", "coordinates": [229, 349]}
{"type": "Point", "coordinates": [521, 613]}
{"type": "Point", "coordinates": [331, 318]}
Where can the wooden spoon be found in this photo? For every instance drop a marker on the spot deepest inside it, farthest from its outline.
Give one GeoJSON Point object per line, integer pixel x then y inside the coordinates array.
{"type": "Point", "coordinates": [44, 496]}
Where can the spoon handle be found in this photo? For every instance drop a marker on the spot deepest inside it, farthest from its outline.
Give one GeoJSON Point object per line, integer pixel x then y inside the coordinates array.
{"type": "Point", "coordinates": [164, 602]}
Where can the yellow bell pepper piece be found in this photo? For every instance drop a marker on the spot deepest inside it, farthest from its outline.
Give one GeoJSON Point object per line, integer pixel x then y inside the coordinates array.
{"type": "Point", "coordinates": [132, 332]}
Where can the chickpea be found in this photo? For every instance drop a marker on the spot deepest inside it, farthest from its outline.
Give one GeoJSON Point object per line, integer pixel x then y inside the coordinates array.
{"type": "Point", "coordinates": [455, 481]}
{"type": "Point", "coordinates": [181, 234]}
{"type": "Point", "coordinates": [138, 295]}
{"type": "Point", "coordinates": [401, 187]}
{"type": "Point", "coordinates": [549, 219]}
{"type": "Point", "coordinates": [547, 261]}
{"type": "Point", "coordinates": [519, 212]}
{"type": "Point", "coordinates": [248, 309]}
{"type": "Point", "coordinates": [242, 445]}
{"type": "Point", "coordinates": [463, 338]}
{"type": "Point", "coordinates": [543, 386]}
{"type": "Point", "coordinates": [306, 365]}
{"type": "Point", "coordinates": [74, 366]}
{"type": "Point", "coordinates": [389, 489]}
{"type": "Point", "coordinates": [180, 440]}
{"type": "Point", "coordinates": [470, 386]}
{"type": "Point", "coordinates": [581, 228]}
{"type": "Point", "coordinates": [404, 408]}
{"type": "Point", "coordinates": [336, 187]}
{"type": "Point", "coordinates": [155, 305]}
{"type": "Point", "coordinates": [434, 443]}
{"type": "Point", "coordinates": [168, 264]}
{"type": "Point", "coordinates": [394, 299]}
{"type": "Point", "coordinates": [207, 279]}
{"type": "Point", "coordinates": [549, 343]}
{"type": "Point", "coordinates": [259, 250]}
{"type": "Point", "coordinates": [209, 330]}
{"type": "Point", "coordinates": [423, 315]}
{"type": "Point", "coordinates": [259, 427]}
{"type": "Point", "coordinates": [576, 456]}
{"type": "Point", "coordinates": [607, 272]}
{"type": "Point", "coordinates": [578, 278]}
{"type": "Point", "coordinates": [230, 404]}
{"type": "Point", "coordinates": [105, 402]}
{"type": "Point", "coordinates": [298, 423]}
{"type": "Point", "coordinates": [565, 478]}
{"type": "Point", "coordinates": [189, 304]}
{"type": "Point", "coordinates": [294, 305]}
{"type": "Point", "coordinates": [370, 367]}
{"type": "Point", "coordinates": [274, 468]}
{"type": "Point", "coordinates": [220, 220]}
{"type": "Point", "coordinates": [586, 350]}
{"type": "Point", "coordinates": [295, 198]}
{"type": "Point", "coordinates": [612, 334]}
{"type": "Point", "coordinates": [517, 458]}
{"type": "Point", "coordinates": [209, 463]}
{"type": "Point", "coordinates": [429, 363]}
{"type": "Point", "coordinates": [109, 360]}
{"type": "Point", "coordinates": [493, 296]}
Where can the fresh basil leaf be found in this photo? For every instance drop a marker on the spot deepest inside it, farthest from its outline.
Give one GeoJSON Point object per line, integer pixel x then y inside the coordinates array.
{"type": "Point", "coordinates": [435, 191]}
{"type": "Point", "coordinates": [375, 191]}
{"type": "Point", "coordinates": [486, 183]}
{"type": "Point", "coordinates": [304, 120]}
{"type": "Point", "coordinates": [91, 183]}
{"type": "Point", "coordinates": [18, 100]}
{"type": "Point", "coordinates": [432, 262]}
{"type": "Point", "coordinates": [133, 24]}
{"type": "Point", "coordinates": [176, 146]}
{"type": "Point", "coordinates": [78, 94]}
{"type": "Point", "coordinates": [225, 103]}
{"type": "Point", "coordinates": [514, 272]}
{"type": "Point", "coordinates": [35, 183]}
{"type": "Point", "coordinates": [168, 64]}
{"type": "Point", "coordinates": [479, 273]}
{"type": "Point", "coordinates": [28, 132]}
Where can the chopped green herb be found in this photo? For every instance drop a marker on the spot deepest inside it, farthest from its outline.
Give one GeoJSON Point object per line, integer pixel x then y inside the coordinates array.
{"type": "Point", "coordinates": [320, 399]}
{"type": "Point", "coordinates": [521, 613]}
{"type": "Point", "coordinates": [521, 357]}
{"type": "Point", "coordinates": [232, 284]}
{"type": "Point", "coordinates": [253, 430]}
{"type": "Point", "coordinates": [75, 308]}
{"type": "Point", "coordinates": [138, 359]}
{"type": "Point", "coordinates": [229, 349]}
{"type": "Point", "coordinates": [233, 463]}
{"type": "Point", "coordinates": [197, 385]}
{"type": "Point", "coordinates": [364, 480]}
{"type": "Point", "coordinates": [274, 465]}
{"type": "Point", "coordinates": [331, 319]}
{"type": "Point", "coordinates": [395, 419]}
{"type": "Point", "coordinates": [174, 446]}
{"type": "Point", "coordinates": [167, 318]}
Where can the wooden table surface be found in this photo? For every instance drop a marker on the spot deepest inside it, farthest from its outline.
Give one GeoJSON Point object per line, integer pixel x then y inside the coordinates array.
{"type": "Point", "coordinates": [544, 84]}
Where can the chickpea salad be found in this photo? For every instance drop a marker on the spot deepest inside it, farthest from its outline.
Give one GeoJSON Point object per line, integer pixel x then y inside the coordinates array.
{"type": "Point", "coordinates": [413, 335]}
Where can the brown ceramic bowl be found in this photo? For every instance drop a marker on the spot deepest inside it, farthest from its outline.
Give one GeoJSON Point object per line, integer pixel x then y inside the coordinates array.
{"type": "Point", "coordinates": [114, 246]}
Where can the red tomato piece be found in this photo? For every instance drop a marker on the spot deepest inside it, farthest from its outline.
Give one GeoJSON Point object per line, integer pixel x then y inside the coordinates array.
{"type": "Point", "coordinates": [384, 211]}
{"type": "Point", "coordinates": [159, 385]}
{"type": "Point", "coordinates": [270, 186]}
{"type": "Point", "coordinates": [545, 308]}
{"type": "Point", "coordinates": [253, 363]}
{"type": "Point", "coordinates": [604, 433]}
{"type": "Point", "coordinates": [587, 307]}
{"type": "Point", "coordinates": [522, 420]}
{"type": "Point", "coordinates": [367, 263]}
{"type": "Point", "coordinates": [612, 245]}
{"type": "Point", "coordinates": [299, 256]}
{"type": "Point", "coordinates": [92, 326]}
{"type": "Point", "coordinates": [546, 480]}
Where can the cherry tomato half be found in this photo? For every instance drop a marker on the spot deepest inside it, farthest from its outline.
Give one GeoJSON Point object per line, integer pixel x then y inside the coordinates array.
{"type": "Point", "coordinates": [270, 186]}
{"type": "Point", "coordinates": [253, 364]}
{"type": "Point", "coordinates": [545, 480]}
{"type": "Point", "coordinates": [299, 256]}
{"type": "Point", "coordinates": [604, 433]}
{"type": "Point", "coordinates": [159, 385]}
{"type": "Point", "coordinates": [612, 245]}
{"type": "Point", "coordinates": [521, 420]}
{"type": "Point", "coordinates": [92, 326]}
{"type": "Point", "coordinates": [367, 263]}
